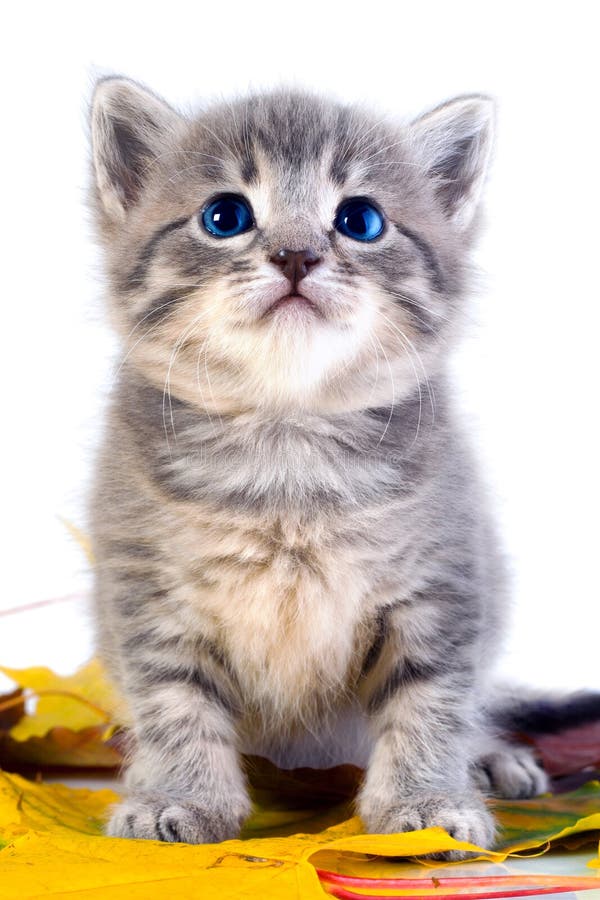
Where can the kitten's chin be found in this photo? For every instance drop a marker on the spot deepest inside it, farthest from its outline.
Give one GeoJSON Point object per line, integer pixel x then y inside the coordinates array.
{"type": "Point", "coordinates": [293, 307]}
{"type": "Point", "coordinates": [292, 351]}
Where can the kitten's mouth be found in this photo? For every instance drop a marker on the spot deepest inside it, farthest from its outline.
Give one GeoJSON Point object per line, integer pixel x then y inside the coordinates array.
{"type": "Point", "coordinates": [293, 303]}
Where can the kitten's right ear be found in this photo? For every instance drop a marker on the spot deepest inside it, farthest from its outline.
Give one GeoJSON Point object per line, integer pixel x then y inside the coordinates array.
{"type": "Point", "coordinates": [130, 127]}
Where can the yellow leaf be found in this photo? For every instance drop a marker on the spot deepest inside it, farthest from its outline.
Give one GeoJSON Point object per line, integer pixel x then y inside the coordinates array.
{"type": "Point", "coordinates": [77, 701]}
{"type": "Point", "coordinates": [81, 538]}
{"type": "Point", "coordinates": [53, 848]}
{"type": "Point", "coordinates": [92, 747]}
{"type": "Point", "coordinates": [53, 844]}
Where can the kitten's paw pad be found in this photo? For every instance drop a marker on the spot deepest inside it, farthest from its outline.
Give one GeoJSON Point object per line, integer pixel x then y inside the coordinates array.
{"type": "Point", "coordinates": [170, 819]}
{"type": "Point", "coordinates": [512, 773]}
{"type": "Point", "coordinates": [465, 819]}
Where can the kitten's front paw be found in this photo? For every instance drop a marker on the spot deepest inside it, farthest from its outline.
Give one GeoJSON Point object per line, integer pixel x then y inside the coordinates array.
{"type": "Point", "coordinates": [465, 818]}
{"type": "Point", "coordinates": [166, 818]}
{"type": "Point", "coordinates": [510, 772]}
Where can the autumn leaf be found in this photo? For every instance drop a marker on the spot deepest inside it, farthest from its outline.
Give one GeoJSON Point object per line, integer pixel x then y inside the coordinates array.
{"type": "Point", "coordinates": [77, 701]}
{"type": "Point", "coordinates": [70, 720]}
{"type": "Point", "coordinates": [91, 748]}
{"type": "Point", "coordinates": [570, 750]}
{"type": "Point", "coordinates": [80, 538]}
{"type": "Point", "coordinates": [12, 709]}
{"type": "Point", "coordinates": [53, 847]}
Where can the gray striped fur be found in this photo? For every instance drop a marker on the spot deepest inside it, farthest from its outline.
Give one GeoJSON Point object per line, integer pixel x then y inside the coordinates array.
{"type": "Point", "coordinates": [294, 553]}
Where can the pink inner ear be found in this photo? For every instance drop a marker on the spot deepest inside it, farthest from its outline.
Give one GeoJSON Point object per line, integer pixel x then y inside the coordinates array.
{"type": "Point", "coordinates": [571, 750]}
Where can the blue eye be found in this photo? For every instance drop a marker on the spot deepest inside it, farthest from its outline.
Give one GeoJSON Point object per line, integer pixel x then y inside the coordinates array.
{"type": "Point", "coordinates": [227, 217]}
{"type": "Point", "coordinates": [359, 220]}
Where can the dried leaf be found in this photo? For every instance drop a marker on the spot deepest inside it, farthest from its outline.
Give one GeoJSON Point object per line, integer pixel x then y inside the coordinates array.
{"type": "Point", "coordinates": [571, 750]}
{"type": "Point", "coordinates": [12, 709]}
{"type": "Point", "coordinates": [83, 700]}
{"type": "Point", "coordinates": [92, 748]}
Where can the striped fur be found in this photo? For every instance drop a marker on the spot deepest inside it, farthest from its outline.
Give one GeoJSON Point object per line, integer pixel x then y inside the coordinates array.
{"type": "Point", "coordinates": [294, 554]}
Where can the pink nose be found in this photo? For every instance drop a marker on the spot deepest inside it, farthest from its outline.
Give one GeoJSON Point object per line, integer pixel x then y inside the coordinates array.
{"type": "Point", "coordinates": [295, 264]}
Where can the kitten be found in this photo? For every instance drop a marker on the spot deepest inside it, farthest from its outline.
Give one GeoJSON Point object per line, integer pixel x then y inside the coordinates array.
{"type": "Point", "coordinates": [294, 554]}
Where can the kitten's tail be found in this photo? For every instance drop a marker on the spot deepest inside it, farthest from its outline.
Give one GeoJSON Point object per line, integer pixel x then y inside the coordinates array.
{"type": "Point", "coordinates": [526, 711]}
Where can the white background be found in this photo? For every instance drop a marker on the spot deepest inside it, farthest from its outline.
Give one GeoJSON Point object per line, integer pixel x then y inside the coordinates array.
{"type": "Point", "coordinates": [527, 373]}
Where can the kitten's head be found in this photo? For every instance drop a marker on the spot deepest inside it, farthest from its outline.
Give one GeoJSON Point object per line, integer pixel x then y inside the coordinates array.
{"type": "Point", "coordinates": [283, 250]}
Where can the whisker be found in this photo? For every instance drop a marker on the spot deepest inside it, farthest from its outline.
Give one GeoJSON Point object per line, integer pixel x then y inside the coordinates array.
{"type": "Point", "coordinates": [146, 333]}
{"type": "Point", "coordinates": [373, 386]}
{"type": "Point", "coordinates": [187, 287]}
{"type": "Point", "coordinates": [418, 305]}
{"type": "Point", "coordinates": [195, 167]}
{"type": "Point", "coordinates": [198, 381]}
{"type": "Point", "coordinates": [351, 146]}
{"type": "Point", "coordinates": [178, 152]}
{"type": "Point", "coordinates": [413, 315]}
{"type": "Point", "coordinates": [167, 386]}
{"type": "Point", "coordinates": [408, 344]}
{"type": "Point", "coordinates": [219, 140]}
{"type": "Point", "coordinates": [403, 140]}
{"type": "Point", "coordinates": [387, 424]}
{"type": "Point", "coordinates": [205, 346]}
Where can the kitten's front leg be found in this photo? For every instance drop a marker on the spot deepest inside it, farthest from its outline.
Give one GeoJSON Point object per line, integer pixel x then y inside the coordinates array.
{"type": "Point", "coordinates": [184, 782]}
{"type": "Point", "coordinates": [418, 776]}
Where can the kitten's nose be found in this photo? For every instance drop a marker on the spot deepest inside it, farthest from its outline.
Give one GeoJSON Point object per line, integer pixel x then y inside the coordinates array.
{"type": "Point", "coordinates": [295, 263]}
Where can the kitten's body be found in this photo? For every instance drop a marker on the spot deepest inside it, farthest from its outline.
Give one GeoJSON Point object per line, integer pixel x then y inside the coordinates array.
{"type": "Point", "coordinates": [319, 525]}
{"type": "Point", "coordinates": [294, 553]}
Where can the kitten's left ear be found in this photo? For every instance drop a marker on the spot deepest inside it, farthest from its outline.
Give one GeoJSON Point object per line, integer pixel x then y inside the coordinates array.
{"type": "Point", "coordinates": [130, 128]}
{"type": "Point", "coordinates": [455, 141]}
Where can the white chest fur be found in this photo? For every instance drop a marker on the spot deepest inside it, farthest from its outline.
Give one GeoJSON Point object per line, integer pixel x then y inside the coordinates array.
{"type": "Point", "coordinates": [287, 560]}
{"type": "Point", "coordinates": [290, 626]}
{"type": "Point", "coordinates": [287, 603]}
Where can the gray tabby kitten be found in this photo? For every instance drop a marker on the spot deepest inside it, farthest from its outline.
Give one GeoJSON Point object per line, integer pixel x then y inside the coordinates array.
{"type": "Point", "coordinates": [294, 553]}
